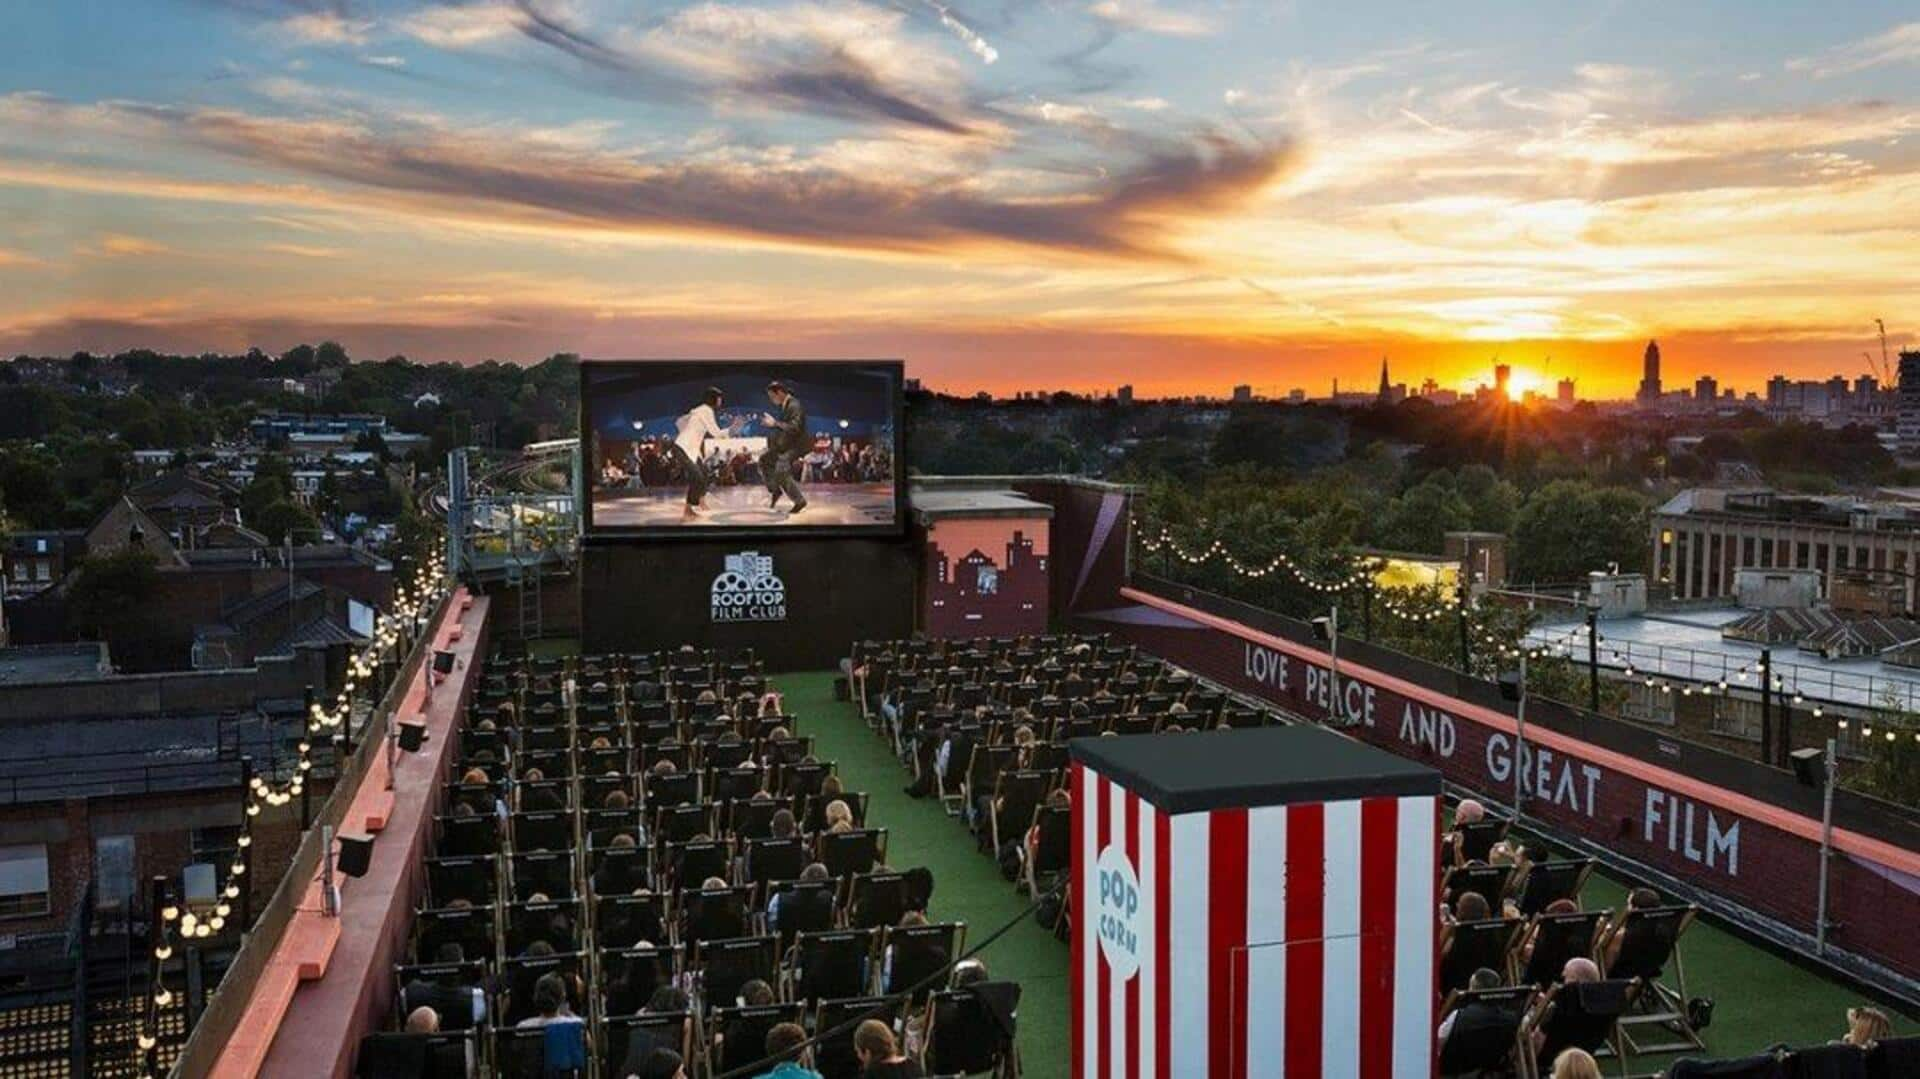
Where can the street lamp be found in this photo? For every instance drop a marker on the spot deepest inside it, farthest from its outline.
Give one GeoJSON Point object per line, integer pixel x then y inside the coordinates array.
{"type": "Point", "coordinates": [1513, 687]}
{"type": "Point", "coordinates": [1817, 768]}
{"type": "Point", "coordinates": [1328, 630]}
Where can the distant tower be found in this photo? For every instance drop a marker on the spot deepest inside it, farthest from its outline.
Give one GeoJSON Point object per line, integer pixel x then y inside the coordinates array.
{"type": "Point", "coordinates": [1386, 388]}
{"type": "Point", "coordinates": [1907, 421]}
{"type": "Point", "coordinates": [1650, 375]}
{"type": "Point", "coordinates": [1566, 391]}
{"type": "Point", "coordinates": [1502, 377]}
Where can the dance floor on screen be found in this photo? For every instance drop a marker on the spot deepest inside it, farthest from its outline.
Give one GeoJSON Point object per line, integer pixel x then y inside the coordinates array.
{"type": "Point", "coordinates": [745, 506]}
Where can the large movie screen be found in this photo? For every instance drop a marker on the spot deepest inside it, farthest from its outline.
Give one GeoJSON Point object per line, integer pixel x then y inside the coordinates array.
{"type": "Point", "coordinates": [701, 446]}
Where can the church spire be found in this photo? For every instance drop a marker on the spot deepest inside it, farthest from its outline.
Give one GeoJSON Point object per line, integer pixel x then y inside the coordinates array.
{"type": "Point", "coordinates": [1385, 386]}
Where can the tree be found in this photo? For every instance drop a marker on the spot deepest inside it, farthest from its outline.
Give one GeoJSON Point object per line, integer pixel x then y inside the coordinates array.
{"type": "Point", "coordinates": [1419, 519]}
{"type": "Point", "coordinates": [111, 587]}
{"type": "Point", "coordinates": [1570, 527]}
{"type": "Point", "coordinates": [277, 519]}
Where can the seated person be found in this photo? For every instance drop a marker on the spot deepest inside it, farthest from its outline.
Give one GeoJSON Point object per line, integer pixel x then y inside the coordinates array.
{"type": "Point", "coordinates": [716, 915]}
{"type": "Point", "coordinates": [643, 1042]}
{"type": "Point", "coordinates": [1452, 846]}
{"type": "Point", "coordinates": [810, 911]}
{"type": "Point", "coordinates": [787, 1046]}
{"type": "Point", "coordinates": [662, 1063]}
{"type": "Point", "coordinates": [879, 1056]}
{"type": "Point", "coordinates": [744, 1039]}
{"type": "Point", "coordinates": [550, 1003]}
{"type": "Point", "coordinates": [1639, 899]}
{"type": "Point", "coordinates": [459, 1006]}
{"type": "Point", "coordinates": [1866, 1027]}
{"type": "Point", "coordinates": [969, 1031]}
{"type": "Point", "coordinates": [423, 1020]}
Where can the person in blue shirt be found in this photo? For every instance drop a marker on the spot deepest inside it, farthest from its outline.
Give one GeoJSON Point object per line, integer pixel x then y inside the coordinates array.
{"type": "Point", "coordinates": [787, 1043]}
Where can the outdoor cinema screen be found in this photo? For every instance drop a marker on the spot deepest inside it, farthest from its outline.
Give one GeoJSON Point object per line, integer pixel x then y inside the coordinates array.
{"type": "Point", "coordinates": [694, 447]}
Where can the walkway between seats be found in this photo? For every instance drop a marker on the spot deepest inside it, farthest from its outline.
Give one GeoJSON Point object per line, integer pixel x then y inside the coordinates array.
{"type": "Point", "coordinates": [967, 886]}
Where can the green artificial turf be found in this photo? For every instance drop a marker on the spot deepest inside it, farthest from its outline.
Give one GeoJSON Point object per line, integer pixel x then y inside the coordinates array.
{"type": "Point", "coordinates": [967, 885]}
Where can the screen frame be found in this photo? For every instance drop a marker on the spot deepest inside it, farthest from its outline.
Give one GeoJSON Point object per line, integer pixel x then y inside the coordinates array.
{"type": "Point", "coordinates": [592, 533]}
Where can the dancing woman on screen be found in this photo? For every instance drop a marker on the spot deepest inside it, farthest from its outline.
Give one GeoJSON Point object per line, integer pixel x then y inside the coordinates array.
{"type": "Point", "coordinates": [689, 445]}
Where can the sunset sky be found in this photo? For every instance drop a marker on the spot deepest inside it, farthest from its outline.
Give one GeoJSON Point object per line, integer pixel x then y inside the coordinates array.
{"type": "Point", "coordinates": [1173, 193]}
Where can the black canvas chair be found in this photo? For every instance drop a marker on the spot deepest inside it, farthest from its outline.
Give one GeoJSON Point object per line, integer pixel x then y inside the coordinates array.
{"type": "Point", "coordinates": [1583, 1015]}
{"type": "Point", "coordinates": [1556, 938]}
{"type": "Point", "coordinates": [715, 914]}
{"type": "Point", "coordinates": [1836, 1061]}
{"type": "Point", "coordinates": [542, 872]}
{"type": "Point", "coordinates": [449, 989]}
{"type": "Point", "coordinates": [473, 878]}
{"type": "Point", "coordinates": [519, 974]}
{"type": "Point", "coordinates": [475, 835]}
{"type": "Point", "coordinates": [1483, 1028]}
{"type": "Point", "coordinates": [396, 1055]}
{"type": "Point", "coordinates": [1477, 839]}
{"type": "Point", "coordinates": [1758, 1066]}
{"type": "Point", "coordinates": [877, 900]}
{"type": "Point", "coordinates": [1491, 881]}
{"type": "Point", "coordinates": [472, 929]}
{"type": "Point", "coordinates": [544, 830]}
{"type": "Point", "coordinates": [833, 1054]}
{"type": "Point", "coordinates": [657, 1030]}
{"type": "Point", "coordinates": [857, 851]}
{"type": "Point", "coordinates": [1468, 946]}
{"type": "Point", "coordinates": [629, 976]}
{"type": "Point", "coordinates": [1552, 880]}
{"type": "Point", "coordinates": [774, 859]}
{"type": "Point", "coordinates": [548, 1052]}
{"type": "Point", "coordinates": [971, 1031]}
{"type": "Point", "coordinates": [1645, 944]}
{"type": "Point", "coordinates": [805, 907]}
{"type": "Point", "coordinates": [556, 921]}
{"type": "Point", "coordinates": [624, 920]}
{"type": "Point", "coordinates": [1052, 855]}
{"type": "Point", "coordinates": [915, 958]}
{"type": "Point", "coordinates": [1894, 1057]}
{"type": "Point", "coordinates": [743, 1033]}
{"type": "Point", "coordinates": [726, 965]}
{"type": "Point", "coordinates": [837, 963]}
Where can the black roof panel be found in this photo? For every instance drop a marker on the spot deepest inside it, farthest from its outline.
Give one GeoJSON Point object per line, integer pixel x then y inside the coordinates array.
{"type": "Point", "coordinates": [1261, 766]}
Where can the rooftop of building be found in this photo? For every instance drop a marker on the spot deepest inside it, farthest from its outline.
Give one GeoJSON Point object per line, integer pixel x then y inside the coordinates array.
{"type": "Point", "coordinates": [35, 663]}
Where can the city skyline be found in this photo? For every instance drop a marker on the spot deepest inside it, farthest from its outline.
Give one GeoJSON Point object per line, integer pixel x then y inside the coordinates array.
{"type": "Point", "coordinates": [1180, 196]}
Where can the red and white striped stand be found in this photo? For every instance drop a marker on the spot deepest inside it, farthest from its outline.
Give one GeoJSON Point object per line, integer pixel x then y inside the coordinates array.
{"type": "Point", "coordinates": [1252, 903]}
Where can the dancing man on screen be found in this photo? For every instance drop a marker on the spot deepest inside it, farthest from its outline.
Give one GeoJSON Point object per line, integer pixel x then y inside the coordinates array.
{"type": "Point", "coordinates": [689, 445]}
{"type": "Point", "coordinates": [784, 446]}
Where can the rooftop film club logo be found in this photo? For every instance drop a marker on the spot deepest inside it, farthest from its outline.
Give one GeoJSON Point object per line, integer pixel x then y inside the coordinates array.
{"type": "Point", "coordinates": [748, 591]}
{"type": "Point", "coordinates": [1119, 911]}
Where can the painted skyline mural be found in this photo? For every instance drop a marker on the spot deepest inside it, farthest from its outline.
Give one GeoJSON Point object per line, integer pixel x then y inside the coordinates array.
{"type": "Point", "coordinates": [1177, 194]}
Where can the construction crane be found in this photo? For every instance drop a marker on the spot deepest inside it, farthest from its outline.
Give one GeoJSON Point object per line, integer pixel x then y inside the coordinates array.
{"type": "Point", "coordinates": [1887, 373]}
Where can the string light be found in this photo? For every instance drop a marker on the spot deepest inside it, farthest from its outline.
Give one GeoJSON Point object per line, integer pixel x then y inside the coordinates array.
{"type": "Point", "coordinates": [411, 601]}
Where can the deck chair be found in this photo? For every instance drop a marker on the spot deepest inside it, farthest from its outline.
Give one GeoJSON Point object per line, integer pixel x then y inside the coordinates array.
{"type": "Point", "coordinates": [726, 965]}
{"type": "Point", "coordinates": [1484, 1032]}
{"type": "Point", "coordinates": [472, 929]}
{"type": "Point", "coordinates": [629, 976]}
{"type": "Point", "coordinates": [1758, 1066]}
{"type": "Point", "coordinates": [833, 1055]}
{"type": "Point", "coordinates": [1477, 839]}
{"type": "Point", "coordinates": [395, 1055]}
{"type": "Point", "coordinates": [474, 879]}
{"type": "Point", "coordinates": [857, 851]}
{"type": "Point", "coordinates": [1648, 942]}
{"type": "Point", "coordinates": [915, 958]}
{"type": "Point", "coordinates": [1549, 881]}
{"type": "Point", "coordinates": [1834, 1061]}
{"type": "Point", "coordinates": [971, 1031]}
{"type": "Point", "coordinates": [475, 836]}
{"type": "Point", "coordinates": [664, 1030]}
{"type": "Point", "coordinates": [875, 900]}
{"type": "Point", "coordinates": [1557, 938]}
{"type": "Point", "coordinates": [621, 921]}
{"type": "Point", "coordinates": [838, 963]}
{"type": "Point", "coordinates": [1467, 946]}
{"type": "Point", "coordinates": [1491, 881]}
{"type": "Point", "coordinates": [743, 1033]}
{"type": "Point", "coordinates": [1584, 1015]}
{"type": "Point", "coordinates": [555, 1051]}
{"type": "Point", "coordinates": [1053, 854]}
{"type": "Point", "coordinates": [774, 859]}
{"type": "Point", "coordinates": [1017, 795]}
{"type": "Point", "coordinates": [1894, 1057]}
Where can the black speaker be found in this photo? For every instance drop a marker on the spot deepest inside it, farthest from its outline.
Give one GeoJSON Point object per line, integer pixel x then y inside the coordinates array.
{"type": "Point", "coordinates": [356, 854]}
{"type": "Point", "coordinates": [1510, 686]}
{"type": "Point", "coordinates": [412, 736]}
{"type": "Point", "coordinates": [443, 662]}
{"type": "Point", "coordinates": [1323, 629]}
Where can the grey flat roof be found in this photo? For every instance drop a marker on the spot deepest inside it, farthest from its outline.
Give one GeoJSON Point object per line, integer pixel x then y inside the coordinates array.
{"type": "Point", "coordinates": [933, 505]}
{"type": "Point", "coordinates": [50, 663]}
